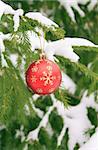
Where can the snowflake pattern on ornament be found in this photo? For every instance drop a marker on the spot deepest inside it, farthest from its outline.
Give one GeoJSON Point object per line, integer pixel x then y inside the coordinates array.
{"type": "Point", "coordinates": [39, 90]}
{"type": "Point", "coordinates": [47, 78]}
{"type": "Point", "coordinates": [33, 78]}
{"type": "Point", "coordinates": [49, 68]}
{"type": "Point", "coordinates": [35, 69]}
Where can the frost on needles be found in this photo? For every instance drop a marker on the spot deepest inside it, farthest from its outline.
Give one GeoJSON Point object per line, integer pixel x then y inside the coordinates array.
{"type": "Point", "coordinates": [21, 43]}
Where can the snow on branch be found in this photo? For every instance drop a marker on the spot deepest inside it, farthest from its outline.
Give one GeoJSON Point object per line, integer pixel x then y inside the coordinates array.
{"type": "Point", "coordinates": [37, 110]}
{"type": "Point", "coordinates": [6, 9]}
{"type": "Point", "coordinates": [41, 19]}
{"type": "Point", "coordinates": [2, 46]}
{"type": "Point", "coordinates": [34, 134]}
{"type": "Point", "coordinates": [64, 48]}
{"type": "Point", "coordinates": [61, 47]}
{"type": "Point", "coordinates": [36, 42]}
{"type": "Point", "coordinates": [69, 4]}
{"type": "Point", "coordinates": [92, 142]}
{"type": "Point", "coordinates": [67, 83]}
{"type": "Point", "coordinates": [74, 118]}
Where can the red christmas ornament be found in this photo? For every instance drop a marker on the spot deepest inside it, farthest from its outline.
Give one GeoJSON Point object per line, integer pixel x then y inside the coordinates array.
{"type": "Point", "coordinates": [43, 76]}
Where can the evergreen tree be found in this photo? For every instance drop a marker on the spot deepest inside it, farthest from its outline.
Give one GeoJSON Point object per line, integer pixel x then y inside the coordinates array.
{"type": "Point", "coordinates": [67, 118]}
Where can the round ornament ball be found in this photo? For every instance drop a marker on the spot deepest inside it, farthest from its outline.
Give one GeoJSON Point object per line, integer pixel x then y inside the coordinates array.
{"type": "Point", "coordinates": [43, 76]}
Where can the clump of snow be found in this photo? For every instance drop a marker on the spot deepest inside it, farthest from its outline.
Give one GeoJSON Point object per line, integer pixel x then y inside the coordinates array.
{"type": "Point", "coordinates": [2, 127]}
{"type": "Point", "coordinates": [20, 133]}
{"type": "Point", "coordinates": [61, 47]}
{"type": "Point", "coordinates": [16, 18]}
{"type": "Point", "coordinates": [34, 134]}
{"type": "Point", "coordinates": [25, 147]}
{"type": "Point", "coordinates": [69, 4]}
{"type": "Point", "coordinates": [2, 47]}
{"type": "Point", "coordinates": [36, 42]}
{"type": "Point", "coordinates": [92, 4]}
{"type": "Point", "coordinates": [37, 110]}
{"type": "Point", "coordinates": [35, 97]}
{"type": "Point", "coordinates": [6, 9]}
{"type": "Point", "coordinates": [67, 83]}
{"type": "Point", "coordinates": [64, 48]}
{"type": "Point", "coordinates": [13, 58]}
{"type": "Point", "coordinates": [49, 129]}
{"type": "Point", "coordinates": [40, 18]}
{"type": "Point", "coordinates": [92, 143]}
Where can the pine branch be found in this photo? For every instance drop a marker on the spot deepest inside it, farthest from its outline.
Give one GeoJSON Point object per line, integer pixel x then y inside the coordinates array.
{"type": "Point", "coordinates": [17, 97]}
{"type": "Point", "coordinates": [85, 48]}
{"type": "Point", "coordinates": [62, 96]}
{"type": "Point", "coordinates": [66, 63]}
{"type": "Point", "coordinates": [29, 24]}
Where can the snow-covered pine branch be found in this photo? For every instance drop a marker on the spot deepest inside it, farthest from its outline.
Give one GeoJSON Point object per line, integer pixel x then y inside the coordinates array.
{"type": "Point", "coordinates": [2, 46]}
{"type": "Point", "coordinates": [69, 4]}
{"type": "Point", "coordinates": [34, 39]}
{"type": "Point", "coordinates": [39, 17]}
{"type": "Point", "coordinates": [61, 47]}
{"type": "Point", "coordinates": [74, 118]}
{"type": "Point", "coordinates": [64, 47]}
{"type": "Point", "coordinates": [6, 9]}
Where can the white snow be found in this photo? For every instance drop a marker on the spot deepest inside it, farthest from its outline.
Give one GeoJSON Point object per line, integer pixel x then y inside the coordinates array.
{"type": "Point", "coordinates": [20, 133]}
{"type": "Point", "coordinates": [37, 110]}
{"type": "Point", "coordinates": [35, 97]}
{"type": "Point", "coordinates": [61, 47]}
{"type": "Point", "coordinates": [25, 147]}
{"type": "Point", "coordinates": [69, 4]}
{"type": "Point", "coordinates": [13, 58]}
{"type": "Point", "coordinates": [92, 143]}
{"type": "Point", "coordinates": [2, 47]}
{"type": "Point", "coordinates": [64, 48]}
{"type": "Point", "coordinates": [36, 42]}
{"type": "Point", "coordinates": [40, 18]}
{"type": "Point", "coordinates": [76, 120]}
{"type": "Point", "coordinates": [2, 127]}
{"type": "Point", "coordinates": [34, 134]}
{"type": "Point", "coordinates": [92, 4]}
{"type": "Point", "coordinates": [67, 83]}
{"type": "Point", "coordinates": [16, 18]}
{"type": "Point", "coordinates": [49, 129]}
{"type": "Point", "coordinates": [6, 9]}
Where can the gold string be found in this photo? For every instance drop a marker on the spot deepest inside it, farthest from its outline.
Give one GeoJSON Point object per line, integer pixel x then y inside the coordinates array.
{"type": "Point", "coordinates": [42, 47]}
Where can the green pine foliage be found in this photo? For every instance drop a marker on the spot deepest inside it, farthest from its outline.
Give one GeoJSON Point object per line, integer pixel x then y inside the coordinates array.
{"type": "Point", "coordinates": [14, 94]}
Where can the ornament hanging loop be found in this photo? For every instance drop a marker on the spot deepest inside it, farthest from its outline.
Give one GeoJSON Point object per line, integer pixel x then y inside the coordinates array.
{"type": "Point", "coordinates": [42, 55]}
{"type": "Point", "coordinates": [42, 44]}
